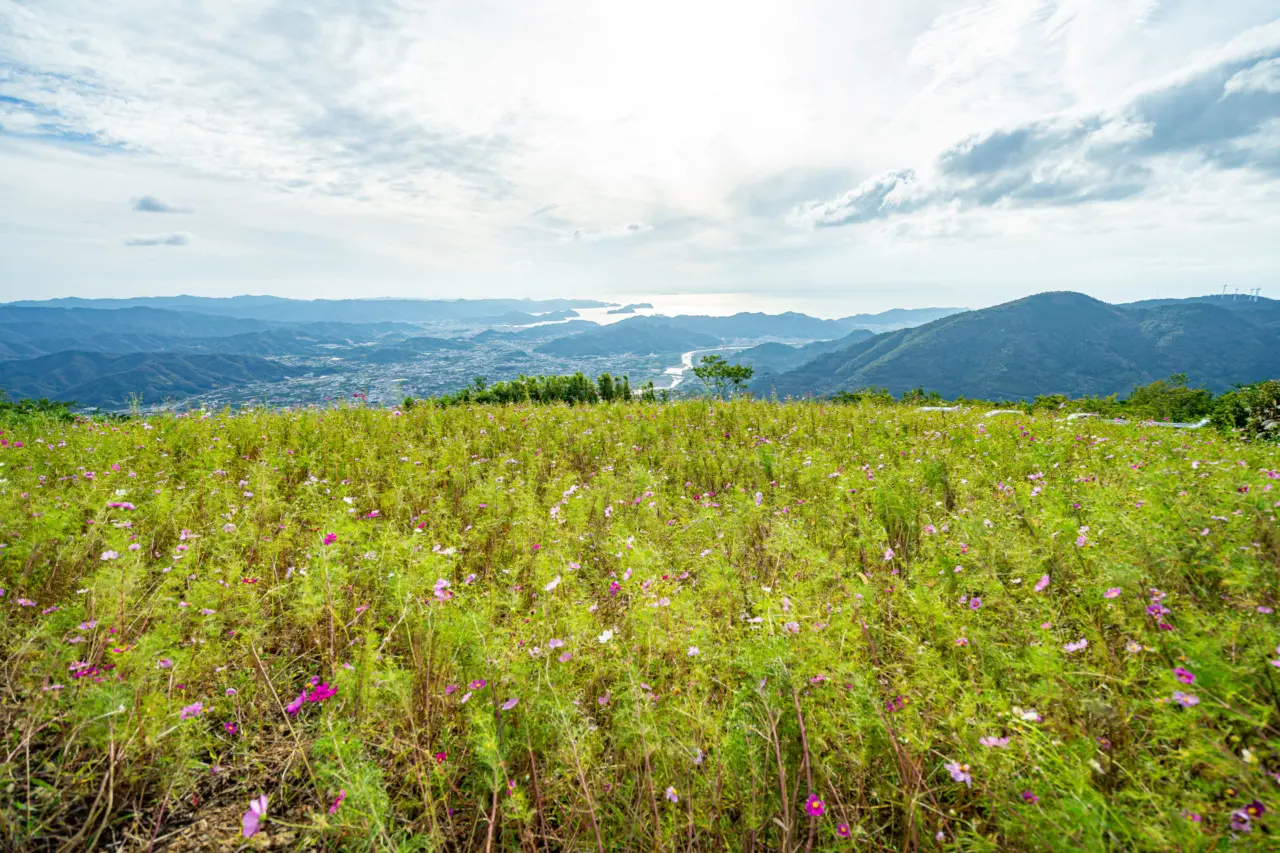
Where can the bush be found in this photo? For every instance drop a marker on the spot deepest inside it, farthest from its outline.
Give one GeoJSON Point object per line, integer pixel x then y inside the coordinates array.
{"type": "Point", "coordinates": [1251, 411]}
{"type": "Point", "coordinates": [1169, 399]}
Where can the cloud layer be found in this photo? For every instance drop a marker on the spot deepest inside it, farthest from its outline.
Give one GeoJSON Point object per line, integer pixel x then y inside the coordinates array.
{"type": "Point", "coordinates": [831, 147]}
{"type": "Point", "coordinates": [1224, 115]}
{"type": "Point", "coordinates": [178, 238]}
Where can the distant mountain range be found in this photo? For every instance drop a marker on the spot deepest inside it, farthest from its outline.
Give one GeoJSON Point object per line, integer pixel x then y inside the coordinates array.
{"type": "Point", "coordinates": [110, 381]}
{"type": "Point", "coordinates": [638, 335]}
{"type": "Point", "coordinates": [897, 318]}
{"type": "Point", "coordinates": [100, 352]}
{"type": "Point", "coordinates": [1064, 342]}
{"type": "Point", "coordinates": [282, 310]}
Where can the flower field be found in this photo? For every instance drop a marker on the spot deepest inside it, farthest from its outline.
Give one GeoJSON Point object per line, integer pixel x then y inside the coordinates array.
{"type": "Point", "coordinates": [684, 626]}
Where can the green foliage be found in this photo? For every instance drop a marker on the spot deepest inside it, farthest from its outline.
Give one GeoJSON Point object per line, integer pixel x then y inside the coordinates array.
{"type": "Point", "coordinates": [721, 378]}
{"type": "Point", "coordinates": [55, 409]}
{"type": "Point", "coordinates": [536, 619]}
{"type": "Point", "coordinates": [549, 389]}
{"type": "Point", "coordinates": [1170, 400]}
{"type": "Point", "coordinates": [1251, 411]}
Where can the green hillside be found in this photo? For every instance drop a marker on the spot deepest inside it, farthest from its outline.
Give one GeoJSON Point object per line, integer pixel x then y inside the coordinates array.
{"type": "Point", "coordinates": [1053, 343]}
{"type": "Point", "coordinates": [641, 626]}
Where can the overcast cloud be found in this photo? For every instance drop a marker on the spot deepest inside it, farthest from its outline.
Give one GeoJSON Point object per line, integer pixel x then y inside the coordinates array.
{"type": "Point", "coordinates": [851, 155]}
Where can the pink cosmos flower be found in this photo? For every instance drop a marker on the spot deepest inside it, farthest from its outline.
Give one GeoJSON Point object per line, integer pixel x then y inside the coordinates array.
{"type": "Point", "coordinates": [321, 692]}
{"type": "Point", "coordinates": [1186, 700]}
{"type": "Point", "coordinates": [330, 538]}
{"type": "Point", "coordinates": [672, 795]}
{"type": "Point", "coordinates": [1042, 584]}
{"type": "Point", "coordinates": [252, 819]}
{"type": "Point", "coordinates": [1028, 797]}
{"type": "Point", "coordinates": [295, 706]}
{"type": "Point", "coordinates": [960, 772]}
{"type": "Point", "coordinates": [843, 830]}
{"type": "Point", "coordinates": [342, 795]}
{"type": "Point", "coordinates": [510, 703]}
{"type": "Point", "coordinates": [1076, 646]}
{"type": "Point", "coordinates": [994, 742]}
{"type": "Point", "coordinates": [814, 806]}
{"type": "Point", "coordinates": [1114, 592]}
{"type": "Point", "coordinates": [1184, 675]}
{"type": "Point", "coordinates": [975, 603]}
{"type": "Point", "coordinates": [195, 709]}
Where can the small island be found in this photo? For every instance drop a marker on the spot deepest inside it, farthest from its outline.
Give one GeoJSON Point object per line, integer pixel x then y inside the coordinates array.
{"type": "Point", "coordinates": [631, 309]}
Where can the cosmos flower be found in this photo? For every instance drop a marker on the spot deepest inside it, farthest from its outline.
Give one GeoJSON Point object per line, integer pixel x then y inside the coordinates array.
{"type": "Point", "coordinates": [814, 806]}
{"type": "Point", "coordinates": [252, 819]}
{"type": "Point", "coordinates": [1042, 584]}
{"type": "Point", "coordinates": [996, 742]}
{"type": "Point", "coordinates": [960, 772]}
{"type": "Point", "coordinates": [510, 703]}
{"type": "Point", "coordinates": [321, 692]}
{"type": "Point", "coordinates": [842, 830]}
{"type": "Point", "coordinates": [672, 795]}
{"type": "Point", "coordinates": [1113, 592]}
{"type": "Point", "coordinates": [1184, 675]}
{"type": "Point", "coordinates": [296, 705]}
{"type": "Point", "coordinates": [1186, 700]}
{"type": "Point", "coordinates": [195, 709]}
{"type": "Point", "coordinates": [1076, 646]}
{"type": "Point", "coordinates": [342, 795]}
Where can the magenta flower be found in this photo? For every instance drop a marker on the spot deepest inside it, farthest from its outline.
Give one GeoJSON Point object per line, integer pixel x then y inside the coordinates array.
{"type": "Point", "coordinates": [565, 658]}
{"type": "Point", "coordinates": [960, 772]}
{"type": "Point", "coordinates": [975, 603]}
{"type": "Point", "coordinates": [814, 806]}
{"type": "Point", "coordinates": [1184, 675]}
{"type": "Point", "coordinates": [1028, 797]}
{"type": "Point", "coordinates": [510, 703]}
{"type": "Point", "coordinates": [230, 727]}
{"type": "Point", "coordinates": [843, 830]}
{"type": "Point", "coordinates": [296, 705]}
{"type": "Point", "coordinates": [478, 684]}
{"type": "Point", "coordinates": [195, 709]}
{"type": "Point", "coordinates": [342, 795]}
{"type": "Point", "coordinates": [330, 538]}
{"type": "Point", "coordinates": [1042, 584]}
{"type": "Point", "coordinates": [252, 819]}
{"type": "Point", "coordinates": [321, 692]}
{"type": "Point", "coordinates": [1113, 592]}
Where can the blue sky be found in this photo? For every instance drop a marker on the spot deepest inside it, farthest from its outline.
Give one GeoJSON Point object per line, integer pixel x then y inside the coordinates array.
{"type": "Point", "coordinates": [827, 156]}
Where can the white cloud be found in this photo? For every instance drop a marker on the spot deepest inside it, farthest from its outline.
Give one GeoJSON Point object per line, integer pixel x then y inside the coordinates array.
{"type": "Point", "coordinates": [178, 238]}
{"type": "Point", "coordinates": [151, 204]}
{"type": "Point", "coordinates": [403, 146]}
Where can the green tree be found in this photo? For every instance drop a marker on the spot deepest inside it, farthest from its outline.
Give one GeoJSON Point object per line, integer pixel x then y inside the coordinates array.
{"type": "Point", "coordinates": [720, 377]}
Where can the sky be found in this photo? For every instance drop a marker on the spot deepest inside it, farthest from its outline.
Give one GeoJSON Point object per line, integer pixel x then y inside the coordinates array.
{"type": "Point", "coordinates": [823, 156]}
